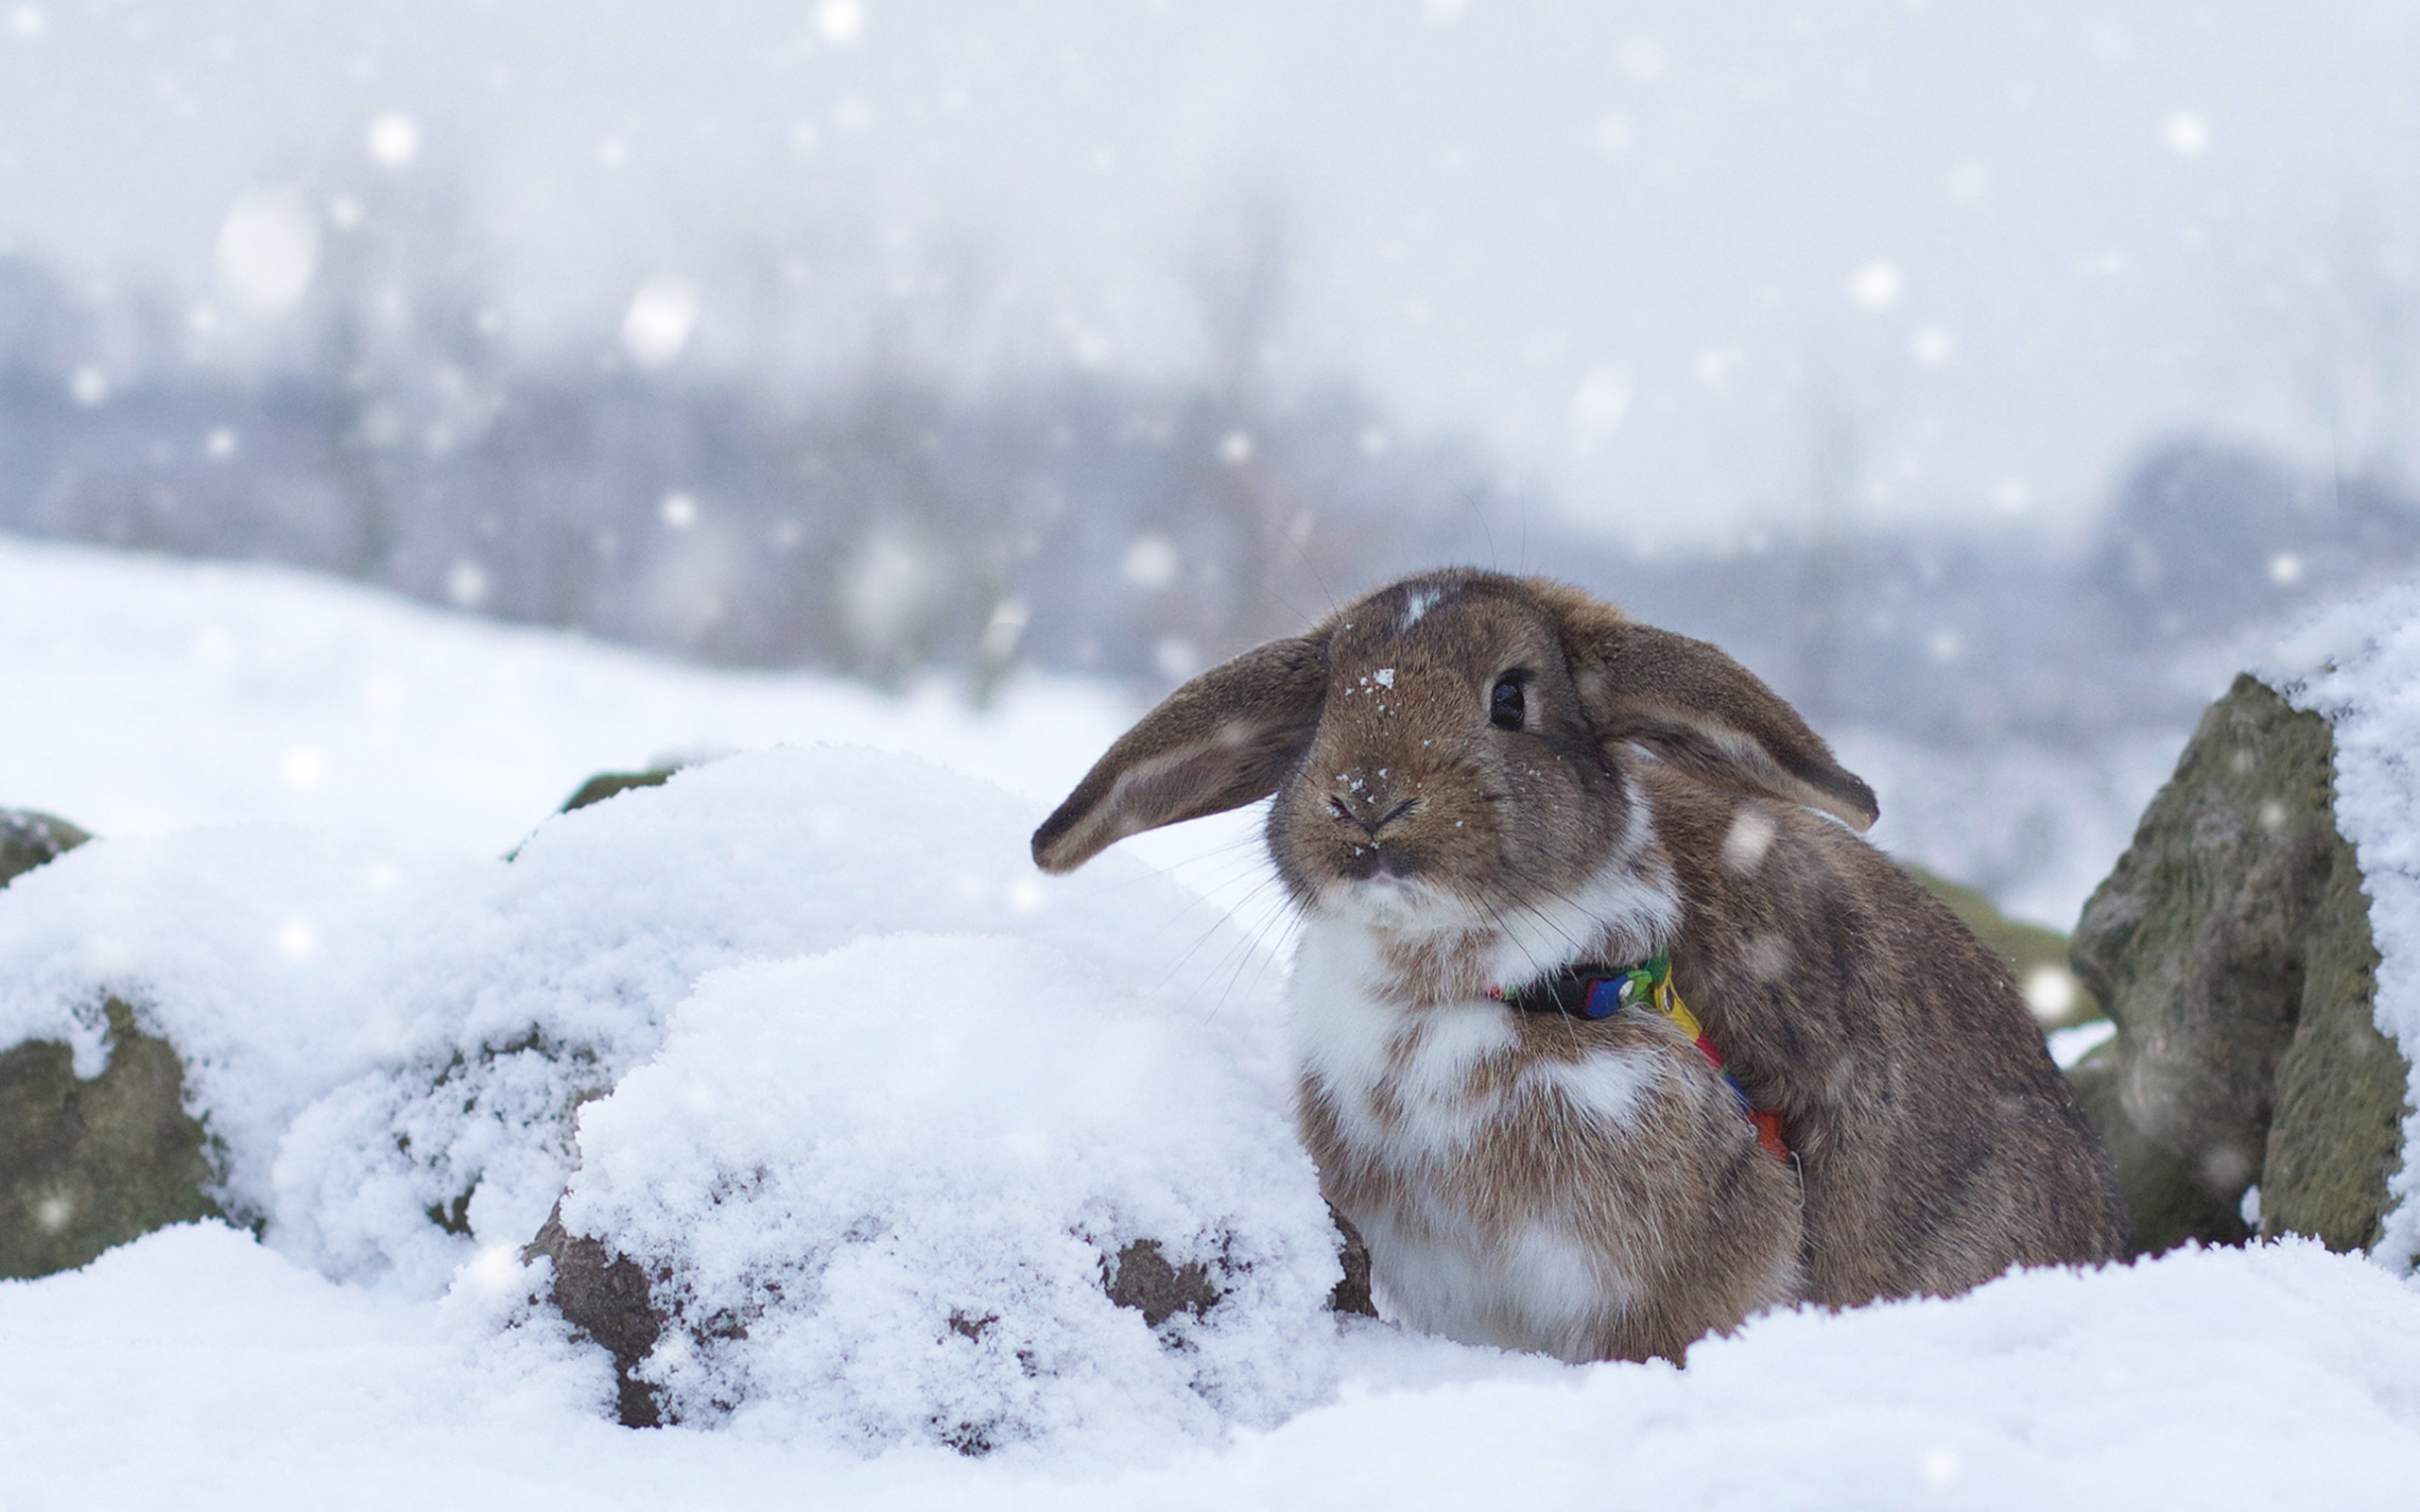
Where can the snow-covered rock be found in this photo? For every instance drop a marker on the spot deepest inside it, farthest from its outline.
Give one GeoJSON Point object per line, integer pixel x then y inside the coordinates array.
{"type": "Point", "coordinates": [28, 840]}
{"type": "Point", "coordinates": [878, 1193]}
{"type": "Point", "coordinates": [2292, 838]}
{"type": "Point", "coordinates": [873, 1104]}
{"type": "Point", "coordinates": [2359, 665]}
{"type": "Point", "coordinates": [89, 1162]}
{"type": "Point", "coordinates": [2232, 947]}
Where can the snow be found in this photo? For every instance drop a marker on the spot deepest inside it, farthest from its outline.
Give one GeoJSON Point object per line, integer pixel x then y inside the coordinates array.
{"type": "Point", "coordinates": [172, 694]}
{"type": "Point", "coordinates": [844, 1069]}
{"type": "Point", "coordinates": [2359, 665]}
{"type": "Point", "coordinates": [196, 1369]}
{"type": "Point", "coordinates": [468, 1007]}
{"type": "Point", "coordinates": [804, 1017]}
{"type": "Point", "coordinates": [906, 1165]}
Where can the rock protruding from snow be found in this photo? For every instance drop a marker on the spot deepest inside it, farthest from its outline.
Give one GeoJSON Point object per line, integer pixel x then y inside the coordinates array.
{"type": "Point", "coordinates": [605, 1296]}
{"type": "Point", "coordinates": [2232, 947]}
{"type": "Point", "coordinates": [1353, 1295]}
{"type": "Point", "coordinates": [85, 1165]}
{"type": "Point", "coordinates": [28, 839]}
{"type": "Point", "coordinates": [89, 1163]}
{"type": "Point", "coordinates": [611, 785]}
{"type": "Point", "coordinates": [2358, 666]}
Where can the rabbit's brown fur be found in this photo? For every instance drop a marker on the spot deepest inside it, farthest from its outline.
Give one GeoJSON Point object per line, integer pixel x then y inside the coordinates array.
{"type": "Point", "coordinates": [1486, 1154]}
{"type": "Point", "coordinates": [1590, 1188]}
{"type": "Point", "coordinates": [1940, 1144]}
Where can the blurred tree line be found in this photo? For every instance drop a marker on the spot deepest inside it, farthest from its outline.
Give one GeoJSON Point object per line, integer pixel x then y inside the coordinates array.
{"type": "Point", "coordinates": [893, 522]}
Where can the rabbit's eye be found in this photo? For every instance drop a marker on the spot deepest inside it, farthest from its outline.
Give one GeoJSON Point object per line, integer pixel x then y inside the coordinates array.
{"type": "Point", "coordinates": [1507, 706]}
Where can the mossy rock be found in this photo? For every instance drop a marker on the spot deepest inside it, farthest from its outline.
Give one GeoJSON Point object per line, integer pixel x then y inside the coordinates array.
{"type": "Point", "coordinates": [88, 1164]}
{"type": "Point", "coordinates": [607, 784]}
{"type": "Point", "coordinates": [28, 839]}
{"type": "Point", "coordinates": [2335, 1139]}
{"type": "Point", "coordinates": [2232, 947]}
{"type": "Point", "coordinates": [2036, 957]}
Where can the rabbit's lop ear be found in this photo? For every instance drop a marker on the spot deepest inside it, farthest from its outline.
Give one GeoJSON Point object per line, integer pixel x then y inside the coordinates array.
{"type": "Point", "coordinates": [1697, 709]}
{"type": "Point", "coordinates": [1220, 742]}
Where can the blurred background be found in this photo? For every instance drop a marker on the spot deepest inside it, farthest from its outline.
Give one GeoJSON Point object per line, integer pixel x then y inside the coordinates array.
{"type": "Point", "coordinates": [1987, 376]}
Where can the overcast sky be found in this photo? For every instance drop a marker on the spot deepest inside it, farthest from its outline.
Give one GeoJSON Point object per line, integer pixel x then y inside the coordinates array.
{"type": "Point", "coordinates": [1649, 254]}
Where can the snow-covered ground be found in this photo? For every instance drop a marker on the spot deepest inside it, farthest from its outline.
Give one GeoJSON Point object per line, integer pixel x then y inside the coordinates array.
{"type": "Point", "coordinates": [144, 695]}
{"type": "Point", "coordinates": [196, 1369]}
{"type": "Point", "coordinates": [723, 970]}
{"type": "Point", "coordinates": [140, 695]}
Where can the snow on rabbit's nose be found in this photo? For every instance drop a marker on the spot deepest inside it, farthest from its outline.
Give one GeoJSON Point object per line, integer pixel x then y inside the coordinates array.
{"type": "Point", "coordinates": [1369, 807]}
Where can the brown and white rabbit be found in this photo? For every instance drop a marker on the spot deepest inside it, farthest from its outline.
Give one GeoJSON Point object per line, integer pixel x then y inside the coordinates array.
{"type": "Point", "coordinates": [1483, 780]}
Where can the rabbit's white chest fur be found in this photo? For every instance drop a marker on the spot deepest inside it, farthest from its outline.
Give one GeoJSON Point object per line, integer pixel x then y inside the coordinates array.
{"type": "Point", "coordinates": [1415, 1094]}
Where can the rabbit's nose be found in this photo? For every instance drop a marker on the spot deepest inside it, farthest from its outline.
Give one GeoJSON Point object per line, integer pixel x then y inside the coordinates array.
{"type": "Point", "coordinates": [1367, 818]}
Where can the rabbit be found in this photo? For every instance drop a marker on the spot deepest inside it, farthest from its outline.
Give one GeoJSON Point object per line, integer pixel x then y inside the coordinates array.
{"type": "Point", "coordinates": [1482, 781]}
{"type": "Point", "coordinates": [1539, 1180]}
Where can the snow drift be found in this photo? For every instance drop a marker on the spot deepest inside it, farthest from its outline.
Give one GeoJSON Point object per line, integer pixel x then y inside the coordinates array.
{"type": "Point", "coordinates": [879, 1189]}
{"type": "Point", "coordinates": [876, 1162]}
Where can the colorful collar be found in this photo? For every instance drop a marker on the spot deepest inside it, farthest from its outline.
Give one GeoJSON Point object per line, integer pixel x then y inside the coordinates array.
{"type": "Point", "coordinates": [1590, 990]}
